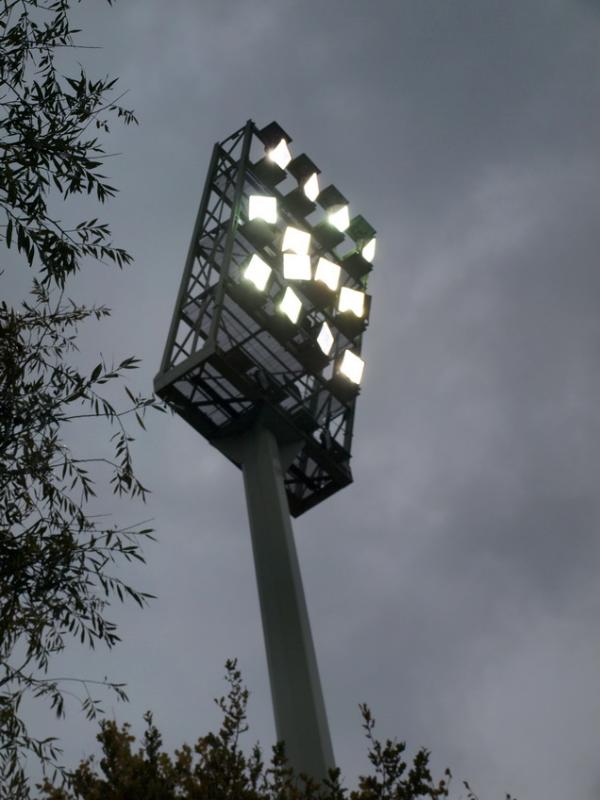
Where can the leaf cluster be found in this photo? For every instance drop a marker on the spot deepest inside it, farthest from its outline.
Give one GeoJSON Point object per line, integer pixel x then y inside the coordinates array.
{"type": "Point", "coordinates": [49, 140]}
{"type": "Point", "coordinates": [216, 768]}
{"type": "Point", "coordinates": [58, 561]}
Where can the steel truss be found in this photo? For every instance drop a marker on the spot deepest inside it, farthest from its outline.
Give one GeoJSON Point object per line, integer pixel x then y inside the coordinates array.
{"type": "Point", "coordinates": [231, 356]}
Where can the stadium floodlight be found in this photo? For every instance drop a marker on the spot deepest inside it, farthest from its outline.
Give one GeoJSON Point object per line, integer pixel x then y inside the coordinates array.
{"type": "Point", "coordinates": [325, 339]}
{"type": "Point", "coordinates": [280, 154]}
{"type": "Point", "coordinates": [300, 201]}
{"type": "Point", "coordinates": [262, 207]}
{"type": "Point", "coordinates": [351, 300]}
{"type": "Point", "coordinates": [311, 187]}
{"type": "Point", "coordinates": [352, 366]}
{"type": "Point", "coordinates": [368, 251]}
{"type": "Point", "coordinates": [257, 272]}
{"type": "Point", "coordinates": [296, 241]}
{"type": "Point", "coordinates": [340, 218]}
{"type": "Point", "coordinates": [358, 262]}
{"type": "Point", "coordinates": [260, 362]}
{"type": "Point", "coordinates": [330, 231]}
{"type": "Point", "coordinates": [328, 272]}
{"type": "Point", "coordinates": [271, 168]}
{"type": "Point", "coordinates": [296, 267]}
{"type": "Point", "coordinates": [291, 305]}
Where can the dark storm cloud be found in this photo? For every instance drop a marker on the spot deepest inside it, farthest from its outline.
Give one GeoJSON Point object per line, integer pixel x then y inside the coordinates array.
{"type": "Point", "coordinates": [454, 586]}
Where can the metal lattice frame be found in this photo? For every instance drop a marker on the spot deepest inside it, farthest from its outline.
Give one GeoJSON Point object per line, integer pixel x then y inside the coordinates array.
{"type": "Point", "coordinates": [231, 355]}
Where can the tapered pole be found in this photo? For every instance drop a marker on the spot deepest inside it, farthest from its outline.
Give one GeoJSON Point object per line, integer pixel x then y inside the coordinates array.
{"type": "Point", "coordinates": [300, 717]}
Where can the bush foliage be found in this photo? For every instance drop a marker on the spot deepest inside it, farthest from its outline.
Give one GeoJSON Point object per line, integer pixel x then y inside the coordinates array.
{"type": "Point", "coordinates": [217, 768]}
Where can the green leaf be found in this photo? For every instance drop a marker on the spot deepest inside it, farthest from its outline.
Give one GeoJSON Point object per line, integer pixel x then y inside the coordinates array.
{"type": "Point", "coordinates": [96, 372]}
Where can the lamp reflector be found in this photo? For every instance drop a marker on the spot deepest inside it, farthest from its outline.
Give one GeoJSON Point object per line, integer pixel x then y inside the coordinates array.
{"type": "Point", "coordinates": [325, 339]}
{"type": "Point", "coordinates": [262, 207]}
{"type": "Point", "coordinates": [368, 251]}
{"type": "Point", "coordinates": [291, 305]}
{"type": "Point", "coordinates": [352, 366]}
{"type": "Point", "coordinates": [328, 273]}
{"type": "Point", "coordinates": [340, 219]}
{"type": "Point", "coordinates": [280, 154]}
{"type": "Point", "coordinates": [352, 300]}
{"type": "Point", "coordinates": [257, 272]}
{"type": "Point", "coordinates": [296, 240]}
{"type": "Point", "coordinates": [296, 267]}
{"type": "Point", "coordinates": [311, 187]}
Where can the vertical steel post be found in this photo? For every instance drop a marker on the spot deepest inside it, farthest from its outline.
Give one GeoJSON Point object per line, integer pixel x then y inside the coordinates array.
{"type": "Point", "coordinates": [189, 262]}
{"type": "Point", "coordinates": [300, 717]}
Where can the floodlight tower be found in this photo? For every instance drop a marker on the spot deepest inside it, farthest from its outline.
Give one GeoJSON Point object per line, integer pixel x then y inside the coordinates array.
{"type": "Point", "coordinates": [263, 359]}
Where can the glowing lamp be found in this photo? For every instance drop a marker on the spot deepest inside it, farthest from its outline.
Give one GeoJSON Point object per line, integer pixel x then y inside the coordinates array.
{"type": "Point", "coordinates": [351, 300]}
{"type": "Point", "coordinates": [291, 305]}
{"type": "Point", "coordinates": [280, 154]}
{"type": "Point", "coordinates": [296, 240]}
{"type": "Point", "coordinates": [368, 251]}
{"type": "Point", "coordinates": [360, 261]}
{"type": "Point", "coordinates": [257, 272]}
{"type": "Point", "coordinates": [300, 201]}
{"type": "Point", "coordinates": [296, 267]}
{"type": "Point", "coordinates": [351, 366]}
{"type": "Point", "coordinates": [262, 207]}
{"type": "Point", "coordinates": [311, 187]}
{"type": "Point", "coordinates": [328, 273]}
{"type": "Point", "coordinates": [325, 339]}
{"type": "Point", "coordinates": [340, 218]}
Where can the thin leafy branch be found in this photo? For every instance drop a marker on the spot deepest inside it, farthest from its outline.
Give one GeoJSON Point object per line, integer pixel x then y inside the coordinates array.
{"type": "Point", "coordinates": [59, 557]}
{"type": "Point", "coordinates": [44, 118]}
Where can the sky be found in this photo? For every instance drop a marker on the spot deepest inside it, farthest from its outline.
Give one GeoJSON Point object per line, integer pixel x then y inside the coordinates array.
{"type": "Point", "coordinates": [454, 586]}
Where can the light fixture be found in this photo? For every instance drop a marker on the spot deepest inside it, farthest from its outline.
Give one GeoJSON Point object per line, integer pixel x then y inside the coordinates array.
{"type": "Point", "coordinates": [257, 272]}
{"type": "Point", "coordinates": [360, 230]}
{"type": "Point", "coordinates": [280, 154]}
{"type": "Point", "coordinates": [270, 169]}
{"type": "Point", "coordinates": [262, 207]}
{"type": "Point", "coordinates": [330, 230]}
{"type": "Point", "coordinates": [296, 240]}
{"type": "Point", "coordinates": [359, 262]}
{"type": "Point", "coordinates": [352, 366]}
{"type": "Point", "coordinates": [291, 305]}
{"type": "Point", "coordinates": [300, 201]}
{"type": "Point", "coordinates": [311, 187]}
{"type": "Point", "coordinates": [368, 251]}
{"type": "Point", "coordinates": [340, 218]}
{"type": "Point", "coordinates": [296, 267]}
{"type": "Point", "coordinates": [331, 198]}
{"type": "Point", "coordinates": [328, 273]}
{"type": "Point", "coordinates": [325, 339]}
{"type": "Point", "coordinates": [351, 300]}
